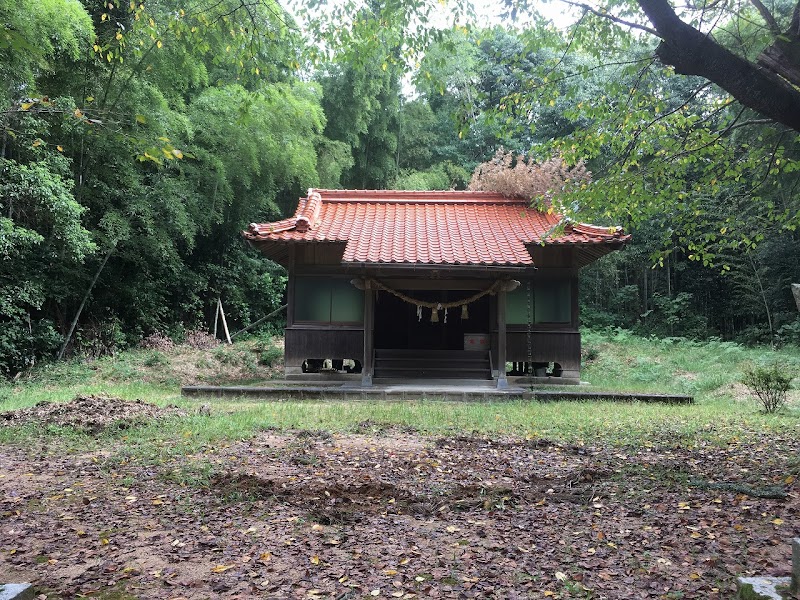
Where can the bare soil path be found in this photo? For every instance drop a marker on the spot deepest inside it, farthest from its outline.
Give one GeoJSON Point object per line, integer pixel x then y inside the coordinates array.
{"type": "Point", "coordinates": [307, 514]}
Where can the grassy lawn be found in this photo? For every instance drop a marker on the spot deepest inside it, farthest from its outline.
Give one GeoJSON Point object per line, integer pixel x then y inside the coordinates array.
{"type": "Point", "coordinates": [613, 361]}
{"type": "Point", "coordinates": [401, 499]}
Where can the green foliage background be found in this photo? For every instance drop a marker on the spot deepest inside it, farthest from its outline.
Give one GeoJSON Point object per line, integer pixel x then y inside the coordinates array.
{"type": "Point", "coordinates": [138, 139]}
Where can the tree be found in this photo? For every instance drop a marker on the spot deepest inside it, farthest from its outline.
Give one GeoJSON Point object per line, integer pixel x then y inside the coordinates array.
{"type": "Point", "coordinates": [765, 82]}
{"type": "Point", "coordinates": [32, 35]}
{"type": "Point", "coordinates": [361, 96]}
{"type": "Point", "coordinates": [41, 241]}
{"type": "Point", "coordinates": [138, 140]}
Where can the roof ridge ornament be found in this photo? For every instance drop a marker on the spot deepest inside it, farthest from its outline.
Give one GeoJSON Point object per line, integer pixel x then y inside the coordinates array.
{"type": "Point", "coordinates": [309, 219]}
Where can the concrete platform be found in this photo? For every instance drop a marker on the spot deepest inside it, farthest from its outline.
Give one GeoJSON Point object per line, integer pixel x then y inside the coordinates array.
{"type": "Point", "coordinates": [762, 588]}
{"type": "Point", "coordinates": [772, 588]}
{"type": "Point", "coordinates": [471, 390]}
{"type": "Point", "coordinates": [16, 591]}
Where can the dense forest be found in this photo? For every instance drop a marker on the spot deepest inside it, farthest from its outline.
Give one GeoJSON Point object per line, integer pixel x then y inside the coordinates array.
{"type": "Point", "coordinates": [138, 138]}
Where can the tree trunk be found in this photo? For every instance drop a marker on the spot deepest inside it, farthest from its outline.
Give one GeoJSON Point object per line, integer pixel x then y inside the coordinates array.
{"type": "Point", "coordinates": [763, 299]}
{"type": "Point", "coordinates": [783, 56]}
{"type": "Point", "coordinates": [644, 296]}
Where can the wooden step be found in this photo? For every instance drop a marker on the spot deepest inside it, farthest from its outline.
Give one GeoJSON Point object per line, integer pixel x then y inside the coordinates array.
{"type": "Point", "coordinates": [394, 373]}
{"type": "Point", "coordinates": [427, 364]}
{"type": "Point", "coordinates": [387, 353]}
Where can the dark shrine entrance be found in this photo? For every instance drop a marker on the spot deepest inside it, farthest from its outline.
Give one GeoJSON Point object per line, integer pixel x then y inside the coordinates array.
{"type": "Point", "coordinates": [398, 326]}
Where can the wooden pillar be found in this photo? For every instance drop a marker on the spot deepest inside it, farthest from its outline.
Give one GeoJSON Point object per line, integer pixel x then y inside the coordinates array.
{"type": "Point", "coordinates": [502, 382]}
{"type": "Point", "coordinates": [292, 272]}
{"type": "Point", "coordinates": [575, 316]}
{"type": "Point", "coordinates": [367, 366]}
{"type": "Point", "coordinates": [292, 359]}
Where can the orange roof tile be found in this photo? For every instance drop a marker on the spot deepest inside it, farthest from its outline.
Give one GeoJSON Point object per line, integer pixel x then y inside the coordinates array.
{"type": "Point", "coordinates": [405, 227]}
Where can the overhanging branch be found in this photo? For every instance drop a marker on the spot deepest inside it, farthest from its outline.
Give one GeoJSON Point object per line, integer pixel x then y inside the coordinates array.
{"type": "Point", "coordinates": [765, 87]}
{"type": "Point", "coordinates": [692, 52]}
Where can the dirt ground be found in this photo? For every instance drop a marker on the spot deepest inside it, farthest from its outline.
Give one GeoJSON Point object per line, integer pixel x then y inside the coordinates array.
{"type": "Point", "coordinates": [90, 414]}
{"type": "Point", "coordinates": [393, 514]}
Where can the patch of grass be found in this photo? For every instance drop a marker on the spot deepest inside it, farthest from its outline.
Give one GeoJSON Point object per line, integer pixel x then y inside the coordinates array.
{"type": "Point", "coordinates": [625, 362]}
{"type": "Point", "coordinates": [62, 373]}
{"type": "Point", "coordinates": [196, 474]}
{"type": "Point", "coordinates": [165, 367]}
{"type": "Point", "coordinates": [154, 358]}
{"type": "Point", "coordinates": [621, 362]}
{"type": "Point", "coordinates": [226, 355]}
{"type": "Point", "coordinates": [180, 447]}
{"type": "Point", "coordinates": [576, 422]}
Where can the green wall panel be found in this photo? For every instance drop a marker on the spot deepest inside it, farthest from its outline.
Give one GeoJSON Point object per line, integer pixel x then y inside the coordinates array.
{"type": "Point", "coordinates": [551, 303]}
{"type": "Point", "coordinates": [325, 300]}
{"type": "Point", "coordinates": [347, 302]}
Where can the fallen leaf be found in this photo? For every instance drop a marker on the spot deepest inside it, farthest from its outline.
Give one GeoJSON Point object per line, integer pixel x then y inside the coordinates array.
{"type": "Point", "coordinates": [221, 568]}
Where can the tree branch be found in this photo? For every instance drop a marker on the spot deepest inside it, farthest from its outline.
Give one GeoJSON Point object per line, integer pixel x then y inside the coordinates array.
{"type": "Point", "coordinates": [610, 17]}
{"type": "Point", "coordinates": [769, 19]}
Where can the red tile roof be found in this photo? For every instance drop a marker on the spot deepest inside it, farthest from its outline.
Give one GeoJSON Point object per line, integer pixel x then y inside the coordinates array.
{"type": "Point", "coordinates": [456, 228]}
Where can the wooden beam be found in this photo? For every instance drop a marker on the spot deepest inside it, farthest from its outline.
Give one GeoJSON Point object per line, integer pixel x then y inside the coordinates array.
{"type": "Point", "coordinates": [261, 320]}
{"type": "Point", "coordinates": [216, 319]}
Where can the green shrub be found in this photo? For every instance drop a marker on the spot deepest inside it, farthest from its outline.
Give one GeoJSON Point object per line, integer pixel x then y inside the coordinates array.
{"type": "Point", "coordinates": [155, 358]}
{"type": "Point", "coordinates": [590, 353]}
{"type": "Point", "coordinates": [789, 333]}
{"type": "Point", "coordinates": [96, 339]}
{"type": "Point", "coordinates": [769, 385]}
{"type": "Point", "coordinates": [23, 344]}
{"type": "Point", "coordinates": [225, 355]}
{"type": "Point", "coordinates": [270, 356]}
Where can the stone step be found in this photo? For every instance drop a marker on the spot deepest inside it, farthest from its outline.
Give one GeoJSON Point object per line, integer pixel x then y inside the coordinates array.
{"type": "Point", "coordinates": [395, 371]}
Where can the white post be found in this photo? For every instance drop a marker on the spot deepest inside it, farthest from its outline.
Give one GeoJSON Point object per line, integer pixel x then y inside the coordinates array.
{"type": "Point", "coordinates": [216, 318]}
{"type": "Point", "coordinates": [224, 322]}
